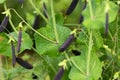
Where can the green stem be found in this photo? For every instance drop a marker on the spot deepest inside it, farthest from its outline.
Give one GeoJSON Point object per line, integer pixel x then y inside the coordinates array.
{"type": "Point", "coordinates": [12, 25]}
{"type": "Point", "coordinates": [33, 28]}
{"type": "Point", "coordinates": [67, 57]}
{"type": "Point", "coordinates": [31, 2]}
{"type": "Point", "coordinates": [73, 62]}
{"type": "Point", "coordinates": [71, 25]}
{"type": "Point", "coordinates": [10, 21]}
{"type": "Point", "coordinates": [53, 20]}
{"type": "Point", "coordinates": [89, 53]}
{"type": "Point", "coordinates": [90, 7]}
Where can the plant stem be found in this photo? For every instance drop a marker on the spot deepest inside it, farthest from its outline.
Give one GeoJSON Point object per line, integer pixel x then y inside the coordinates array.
{"type": "Point", "coordinates": [31, 2]}
{"type": "Point", "coordinates": [90, 7]}
{"type": "Point", "coordinates": [33, 28]}
{"type": "Point", "coordinates": [12, 25]}
{"type": "Point", "coordinates": [89, 52]}
{"type": "Point", "coordinates": [10, 21]}
{"type": "Point", "coordinates": [73, 62]}
{"type": "Point", "coordinates": [53, 20]}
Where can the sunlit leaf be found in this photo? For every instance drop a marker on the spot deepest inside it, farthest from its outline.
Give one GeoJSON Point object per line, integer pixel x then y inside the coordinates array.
{"type": "Point", "coordinates": [96, 17]}
{"type": "Point", "coordinates": [90, 71]}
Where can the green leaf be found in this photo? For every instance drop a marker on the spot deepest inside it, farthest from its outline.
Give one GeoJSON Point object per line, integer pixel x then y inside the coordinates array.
{"type": "Point", "coordinates": [98, 10]}
{"type": "Point", "coordinates": [5, 48]}
{"type": "Point", "coordinates": [59, 19]}
{"type": "Point", "coordinates": [82, 38]}
{"type": "Point", "coordinates": [2, 1]}
{"type": "Point", "coordinates": [97, 39]}
{"type": "Point", "coordinates": [44, 46]}
{"type": "Point", "coordinates": [84, 70]}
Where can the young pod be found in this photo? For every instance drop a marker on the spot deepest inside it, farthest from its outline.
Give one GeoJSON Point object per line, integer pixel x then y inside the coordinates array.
{"type": "Point", "coordinates": [76, 52]}
{"type": "Point", "coordinates": [72, 7]}
{"type": "Point", "coordinates": [19, 40]}
{"type": "Point", "coordinates": [4, 23]}
{"type": "Point", "coordinates": [66, 44]}
{"type": "Point", "coordinates": [45, 10]}
{"type": "Point", "coordinates": [23, 63]}
{"type": "Point", "coordinates": [36, 22]}
{"type": "Point", "coordinates": [106, 23]}
{"type": "Point", "coordinates": [59, 74]}
{"type": "Point", "coordinates": [13, 54]}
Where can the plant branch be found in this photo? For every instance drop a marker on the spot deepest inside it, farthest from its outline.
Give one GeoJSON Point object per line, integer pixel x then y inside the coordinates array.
{"type": "Point", "coordinates": [53, 20]}
{"type": "Point", "coordinates": [90, 7]}
{"type": "Point", "coordinates": [89, 52]}
{"type": "Point", "coordinates": [31, 2]}
{"type": "Point", "coordinates": [33, 28]}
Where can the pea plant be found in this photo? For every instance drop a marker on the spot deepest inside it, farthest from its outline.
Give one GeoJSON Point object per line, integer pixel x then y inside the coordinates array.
{"type": "Point", "coordinates": [60, 39]}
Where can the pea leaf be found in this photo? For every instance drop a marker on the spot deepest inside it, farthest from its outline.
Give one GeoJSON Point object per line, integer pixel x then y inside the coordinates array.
{"type": "Point", "coordinates": [5, 47]}
{"type": "Point", "coordinates": [86, 70]}
{"type": "Point", "coordinates": [44, 46]}
{"type": "Point", "coordinates": [98, 40]}
{"type": "Point", "coordinates": [98, 11]}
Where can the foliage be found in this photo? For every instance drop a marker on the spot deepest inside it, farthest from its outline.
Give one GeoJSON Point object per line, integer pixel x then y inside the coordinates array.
{"type": "Point", "coordinates": [99, 59]}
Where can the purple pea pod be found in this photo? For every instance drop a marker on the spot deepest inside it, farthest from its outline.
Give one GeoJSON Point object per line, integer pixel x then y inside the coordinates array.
{"type": "Point", "coordinates": [23, 63]}
{"type": "Point", "coordinates": [19, 41]}
{"type": "Point", "coordinates": [106, 23]}
{"type": "Point", "coordinates": [67, 43]}
{"type": "Point", "coordinates": [45, 10]}
{"type": "Point", "coordinates": [4, 23]}
{"type": "Point", "coordinates": [13, 54]}
{"type": "Point", "coordinates": [21, 1]}
{"type": "Point", "coordinates": [36, 22]}
{"type": "Point", "coordinates": [72, 7]}
{"type": "Point", "coordinates": [59, 74]}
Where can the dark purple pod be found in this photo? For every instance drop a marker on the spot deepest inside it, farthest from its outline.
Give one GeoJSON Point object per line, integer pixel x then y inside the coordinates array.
{"type": "Point", "coordinates": [76, 52]}
{"type": "Point", "coordinates": [84, 5]}
{"type": "Point", "coordinates": [59, 74]}
{"type": "Point", "coordinates": [19, 40]}
{"type": "Point", "coordinates": [4, 23]}
{"type": "Point", "coordinates": [21, 1]}
{"type": "Point", "coordinates": [45, 10]}
{"type": "Point", "coordinates": [81, 19]}
{"type": "Point", "coordinates": [36, 22]}
{"type": "Point", "coordinates": [106, 23]}
{"type": "Point", "coordinates": [71, 7]}
{"type": "Point", "coordinates": [23, 63]}
{"type": "Point", "coordinates": [66, 44]}
{"type": "Point", "coordinates": [13, 54]}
